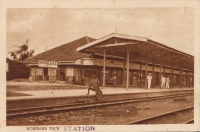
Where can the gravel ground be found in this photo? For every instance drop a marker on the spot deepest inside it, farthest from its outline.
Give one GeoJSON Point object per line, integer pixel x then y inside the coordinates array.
{"type": "Point", "coordinates": [109, 115]}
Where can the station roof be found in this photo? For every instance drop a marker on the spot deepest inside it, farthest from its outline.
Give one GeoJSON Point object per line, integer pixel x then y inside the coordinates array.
{"type": "Point", "coordinates": [65, 52]}
{"type": "Point", "coordinates": [117, 44]}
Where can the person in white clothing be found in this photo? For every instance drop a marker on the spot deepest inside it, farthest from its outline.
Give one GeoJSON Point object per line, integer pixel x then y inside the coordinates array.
{"type": "Point", "coordinates": [162, 82]}
{"type": "Point", "coordinates": [149, 78]}
{"type": "Point", "coordinates": [167, 82]}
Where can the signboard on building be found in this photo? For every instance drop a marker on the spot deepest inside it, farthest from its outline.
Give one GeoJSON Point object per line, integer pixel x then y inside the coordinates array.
{"type": "Point", "coordinates": [114, 63]}
{"type": "Point", "coordinates": [149, 68]}
{"type": "Point", "coordinates": [134, 66]}
{"type": "Point", "coordinates": [184, 73]}
{"type": "Point", "coordinates": [109, 63]}
{"type": "Point", "coordinates": [88, 61]}
{"type": "Point", "coordinates": [50, 64]}
{"type": "Point", "coordinates": [168, 70]}
{"type": "Point", "coordinates": [176, 71]}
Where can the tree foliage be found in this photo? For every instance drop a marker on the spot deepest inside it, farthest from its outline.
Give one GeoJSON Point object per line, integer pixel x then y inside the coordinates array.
{"type": "Point", "coordinates": [13, 55]}
{"type": "Point", "coordinates": [22, 52]}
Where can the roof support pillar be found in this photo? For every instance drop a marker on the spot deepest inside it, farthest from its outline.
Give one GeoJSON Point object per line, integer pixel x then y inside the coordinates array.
{"type": "Point", "coordinates": [124, 76]}
{"type": "Point", "coordinates": [43, 73]}
{"type": "Point", "coordinates": [181, 77]}
{"type": "Point", "coordinates": [153, 74]}
{"type": "Point", "coordinates": [164, 65]}
{"type": "Point", "coordinates": [160, 68]}
{"type": "Point", "coordinates": [35, 75]}
{"type": "Point", "coordinates": [186, 78]}
{"type": "Point", "coordinates": [172, 74]}
{"type": "Point", "coordinates": [140, 74]}
{"type": "Point", "coordinates": [146, 72]}
{"type": "Point", "coordinates": [189, 79]}
{"type": "Point", "coordinates": [127, 71]}
{"type": "Point", "coordinates": [192, 84]}
{"type": "Point", "coordinates": [172, 70]}
{"type": "Point", "coordinates": [104, 67]}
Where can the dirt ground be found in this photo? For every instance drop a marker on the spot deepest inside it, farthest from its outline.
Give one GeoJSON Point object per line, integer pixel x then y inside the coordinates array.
{"type": "Point", "coordinates": [27, 86]}
{"type": "Point", "coordinates": [179, 117]}
{"type": "Point", "coordinates": [15, 94]}
{"type": "Point", "coordinates": [109, 115]}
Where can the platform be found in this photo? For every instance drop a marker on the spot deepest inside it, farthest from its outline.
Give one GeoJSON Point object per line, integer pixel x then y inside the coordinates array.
{"type": "Point", "coordinates": [82, 92]}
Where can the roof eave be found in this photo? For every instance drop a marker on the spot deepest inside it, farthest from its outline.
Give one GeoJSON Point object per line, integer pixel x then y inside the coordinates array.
{"type": "Point", "coordinates": [113, 35]}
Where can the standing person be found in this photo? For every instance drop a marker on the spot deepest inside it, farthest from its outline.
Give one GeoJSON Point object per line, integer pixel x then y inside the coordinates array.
{"type": "Point", "coordinates": [61, 75]}
{"type": "Point", "coordinates": [94, 84]}
{"type": "Point", "coordinates": [149, 78]}
{"type": "Point", "coordinates": [115, 80]}
{"type": "Point", "coordinates": [162, 82]}
{"type": "Point", "coordinates": [167, 82]}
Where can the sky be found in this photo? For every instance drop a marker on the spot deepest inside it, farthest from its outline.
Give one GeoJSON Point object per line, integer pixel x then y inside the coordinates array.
{"type": "Point", "coordinates": [49, 28]}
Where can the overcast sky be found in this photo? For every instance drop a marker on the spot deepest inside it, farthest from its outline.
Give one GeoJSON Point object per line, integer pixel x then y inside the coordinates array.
{"type": "Point", "coordinates": [48, 28]}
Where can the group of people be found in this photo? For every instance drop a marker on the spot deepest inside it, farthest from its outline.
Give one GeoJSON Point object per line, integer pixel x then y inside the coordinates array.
{"type": "Point", "coordinates": [164, 81]}
{"type": "Point", "coordinates": [94, 83]}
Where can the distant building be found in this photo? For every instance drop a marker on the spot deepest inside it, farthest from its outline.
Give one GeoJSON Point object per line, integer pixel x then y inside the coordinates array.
{"type": "Point", "coordinates": [79, 67]}
{"type": "Point", "coordinates": [72, 65]}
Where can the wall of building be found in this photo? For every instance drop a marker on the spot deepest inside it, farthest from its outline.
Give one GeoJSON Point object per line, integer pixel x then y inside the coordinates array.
{"type": "Point", "coordinates": [52, 74]}
{"type": "Point", "coordinates": [114, 75]}
{"type": "Point", "coordinates": [77, 72]}
{"type": "Point", "coordinates": [36, 73]}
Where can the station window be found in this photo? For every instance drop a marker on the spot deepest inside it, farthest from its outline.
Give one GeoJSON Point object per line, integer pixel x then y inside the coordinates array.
{"type": "Point", "coordinates": [184, 80]}
{"type": "Point", "coordinates": [114, 73]}
{"type": "Point", "coordinates": [89, 72]}
{"type": "Point", "coordinates": [191, 81]}
{"type": "Point", "coordinates": [143, 77]}
{"type": "Point", "coordinates": [174, 79]}
{"type": "Point", "coordinates": [135, 78]}
{"type": "Point", "coordinates": [119, 77]}
{"type": "Point", "coordinates": [108, 79]}
{"type": "Point", "coordinates": [45, 71]}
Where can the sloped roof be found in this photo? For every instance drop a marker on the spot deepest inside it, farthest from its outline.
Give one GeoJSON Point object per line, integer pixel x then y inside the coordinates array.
{"type": "Point", "coordinates": [65, 52]}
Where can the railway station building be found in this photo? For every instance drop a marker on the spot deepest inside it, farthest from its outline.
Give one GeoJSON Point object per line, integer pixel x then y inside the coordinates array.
{"type": "Point", "coordinates": [117, 60]}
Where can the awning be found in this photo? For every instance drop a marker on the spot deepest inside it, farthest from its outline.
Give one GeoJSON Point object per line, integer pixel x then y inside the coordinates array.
{"type": "Point", "coordinates": [117, 44]}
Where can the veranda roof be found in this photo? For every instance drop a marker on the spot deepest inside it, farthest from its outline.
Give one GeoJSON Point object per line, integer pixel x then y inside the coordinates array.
{"type": "Point", "coordinates": [141, 49]}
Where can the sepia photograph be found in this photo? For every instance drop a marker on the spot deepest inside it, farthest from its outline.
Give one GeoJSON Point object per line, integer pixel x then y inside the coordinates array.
{"type": "Point", "coordinates": [77, 69]}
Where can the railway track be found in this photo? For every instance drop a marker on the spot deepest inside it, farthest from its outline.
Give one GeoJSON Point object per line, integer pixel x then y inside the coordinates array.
{"type": "Point", "coordinates": [37, 110]}
{"type": "Point", "coordinates": [189, 121]}
{"type": "Point", "coordinates": [155, 119]}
